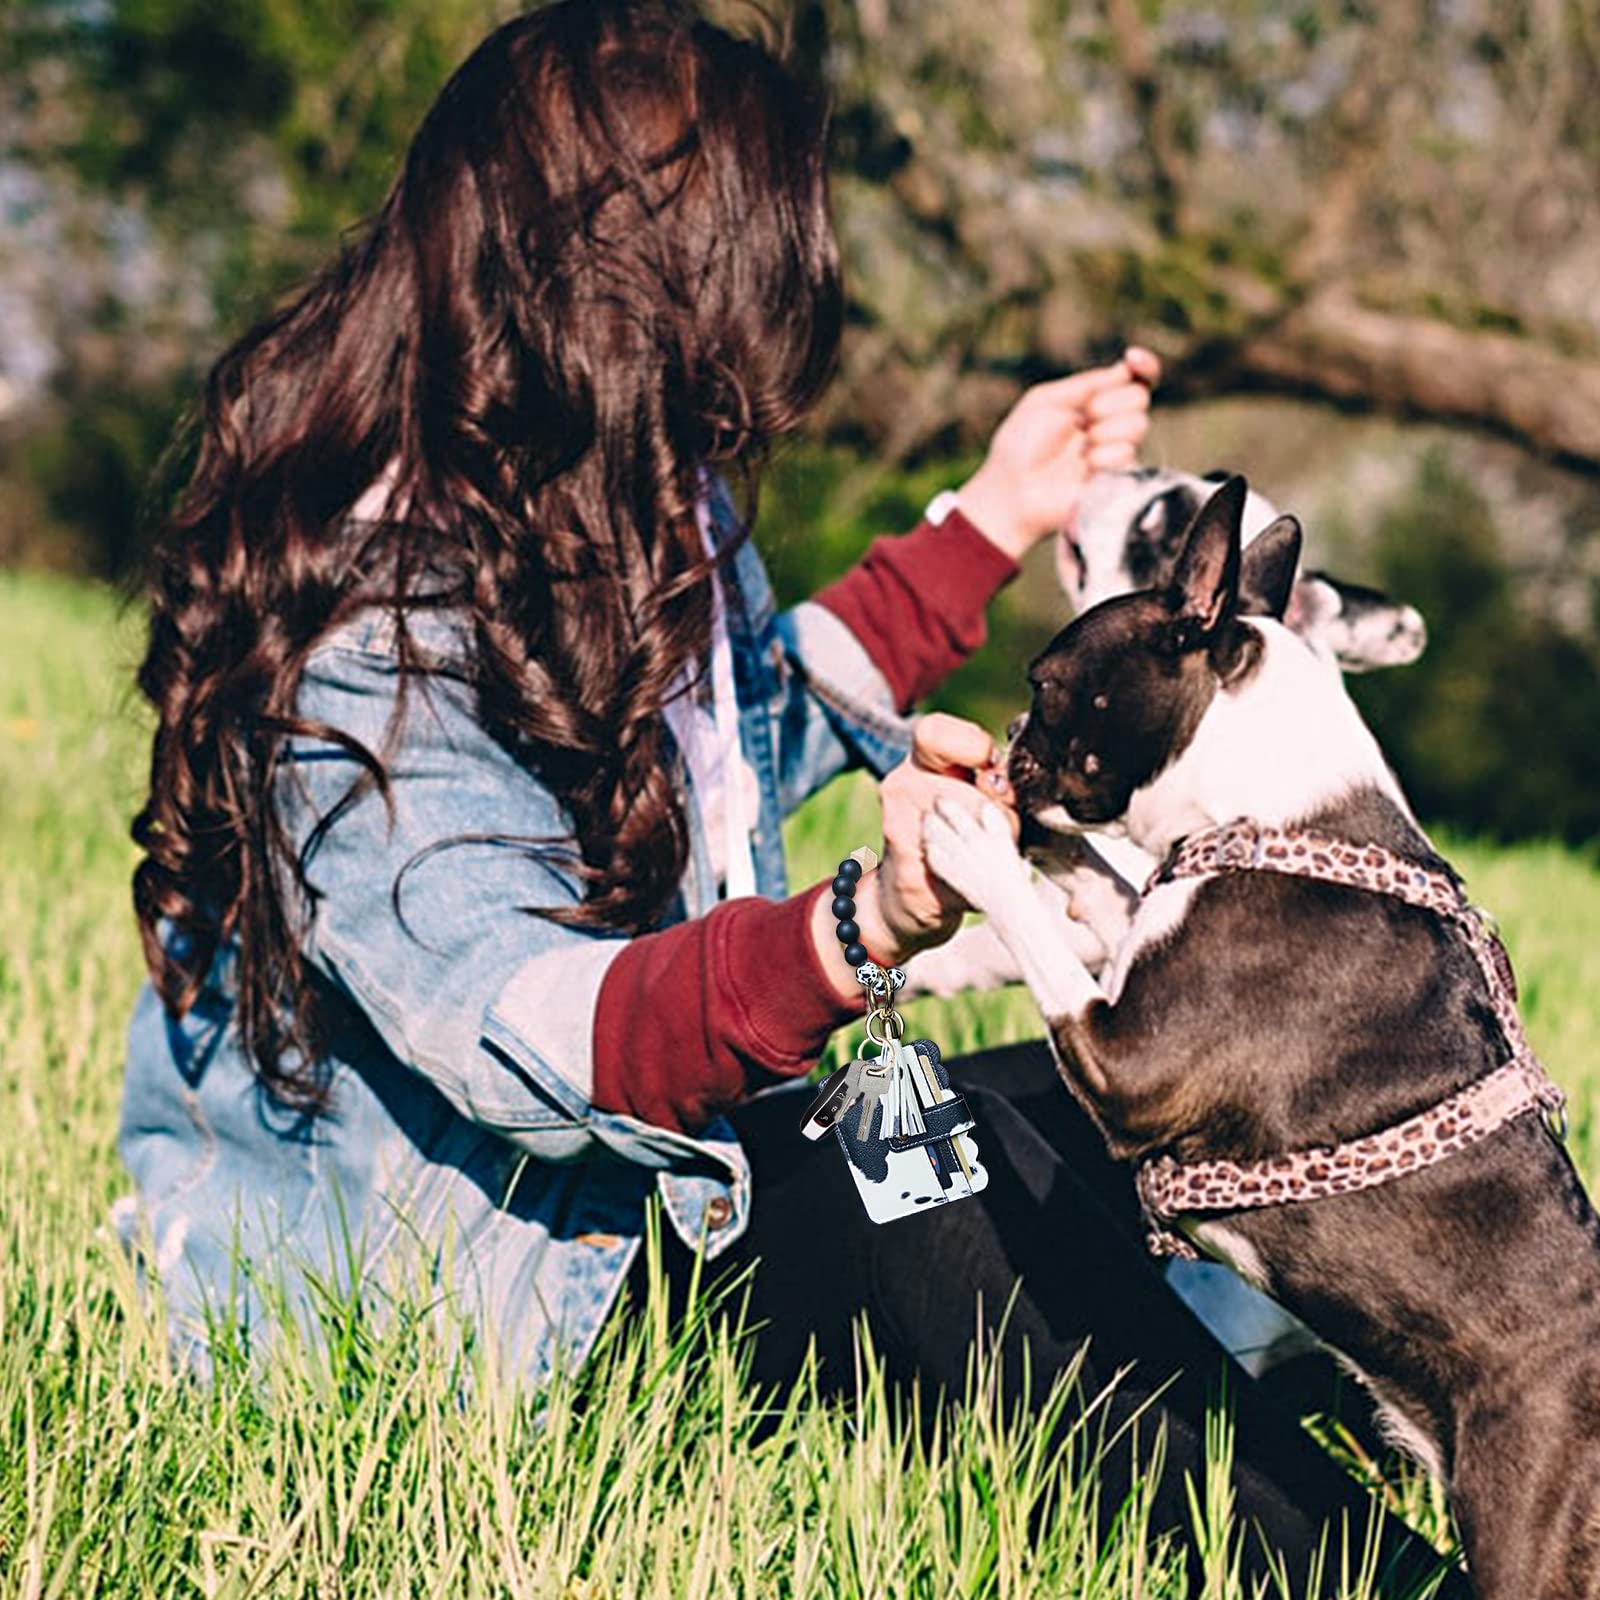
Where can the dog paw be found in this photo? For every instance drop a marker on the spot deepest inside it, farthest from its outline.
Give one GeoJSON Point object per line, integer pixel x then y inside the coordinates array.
{"type": "Point", "coordinates": [974, 854]}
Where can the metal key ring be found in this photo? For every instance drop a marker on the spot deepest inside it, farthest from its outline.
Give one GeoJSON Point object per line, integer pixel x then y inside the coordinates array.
{"type": "Point", "coordinates": [892, 1020]}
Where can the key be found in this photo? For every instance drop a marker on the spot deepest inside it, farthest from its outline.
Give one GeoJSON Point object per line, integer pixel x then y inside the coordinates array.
{"type": "Point", "coordinates": [832, 1098]}
{"type": "Point", "coordinates": [875, 1083]}
{"type": "Point", "coordinates": [835, 1099]}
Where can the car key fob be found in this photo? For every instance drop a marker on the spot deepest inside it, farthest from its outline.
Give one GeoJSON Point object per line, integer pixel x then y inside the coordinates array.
{"type": "Point", "coordinates": [834, 1095]}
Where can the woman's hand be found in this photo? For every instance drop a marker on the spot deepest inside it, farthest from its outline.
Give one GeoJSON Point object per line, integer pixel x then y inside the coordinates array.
{"type": "Point", "coordinates": [1051, 442]}
{"type": "Point", "coordinates": [900, 907]}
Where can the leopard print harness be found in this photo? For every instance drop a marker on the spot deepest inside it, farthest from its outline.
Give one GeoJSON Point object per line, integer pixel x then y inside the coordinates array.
{"type": "Point", "coordinates": [1169, 1189]}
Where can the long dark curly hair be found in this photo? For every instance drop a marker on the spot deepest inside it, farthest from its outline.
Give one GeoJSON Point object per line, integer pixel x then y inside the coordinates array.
{"type": "Point", "coordinates": [607, 264]}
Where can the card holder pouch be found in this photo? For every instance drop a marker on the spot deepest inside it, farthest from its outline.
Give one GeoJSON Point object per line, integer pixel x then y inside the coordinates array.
{"type": "Point", "coordinates": [900, 1175]}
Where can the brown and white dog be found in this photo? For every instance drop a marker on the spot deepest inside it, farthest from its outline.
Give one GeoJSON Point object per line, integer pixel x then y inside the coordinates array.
{"type": "Point", "coordinates": [1250, 1014]}
{"type": "Point", "coordinates": [1126, 533]}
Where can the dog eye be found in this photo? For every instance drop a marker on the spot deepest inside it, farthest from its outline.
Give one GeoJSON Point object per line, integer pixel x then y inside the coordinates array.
{"type": "Point", "coordinates": [1053, 699]}
{"type": "Point", "coordinates": [1101, 701]}
{"type": "Point", "coordinates": [1091, 764]}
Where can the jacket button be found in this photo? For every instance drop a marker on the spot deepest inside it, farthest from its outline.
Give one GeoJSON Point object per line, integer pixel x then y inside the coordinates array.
{"type": "Point", "coordinates": [719, 1211]}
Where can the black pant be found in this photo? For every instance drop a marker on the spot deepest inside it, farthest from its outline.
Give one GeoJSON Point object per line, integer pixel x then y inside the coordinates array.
{"type": "Point", "coordinates": [1061, 1216]}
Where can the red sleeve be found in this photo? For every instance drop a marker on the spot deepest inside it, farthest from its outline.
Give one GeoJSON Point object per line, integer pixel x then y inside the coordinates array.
{"type": "Point", "coordinates": [916, 602]}
{"type": "Point", "coordinates": [693, 1018]}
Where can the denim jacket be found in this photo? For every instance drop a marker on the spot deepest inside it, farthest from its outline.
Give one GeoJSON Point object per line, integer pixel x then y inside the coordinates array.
{"type": "Point", "coordinates": [462, 1152]}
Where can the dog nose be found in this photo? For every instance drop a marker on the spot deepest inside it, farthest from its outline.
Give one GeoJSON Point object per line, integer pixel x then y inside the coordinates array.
{"type": "Point", "coordinates": [1411, 632]}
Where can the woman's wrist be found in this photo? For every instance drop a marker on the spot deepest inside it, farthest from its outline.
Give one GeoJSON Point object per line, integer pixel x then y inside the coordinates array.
{"type": "Point", "coordinates": [991, 508]}
{"type": "Point", "coordinates": [880, 944]}
{"type": "Point", "coordinates": [830, 948]}
{"type": "Point", "coordinates": [873, 934]}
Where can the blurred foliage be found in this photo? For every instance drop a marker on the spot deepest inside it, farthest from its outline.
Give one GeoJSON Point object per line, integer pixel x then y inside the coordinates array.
{"type": "Point", "coordinates": [92, 469]}
{"type": "Point", "coordinates": [261, 129]}
{"type": "Point", "coordinates": [819, 505]}
{"type": "Point", "coordinates": [203, 158]}
{"type": "Point", "coordinates": [1279, 193]}
{"type": "Point", "coordinates": [1495, 727]}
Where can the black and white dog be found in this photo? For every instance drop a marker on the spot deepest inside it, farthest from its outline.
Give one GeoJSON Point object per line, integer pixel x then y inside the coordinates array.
{"type": "Point", "coordinates": [1126, 534]}
{"type": "Point", "coordinates": [1253, 1013]}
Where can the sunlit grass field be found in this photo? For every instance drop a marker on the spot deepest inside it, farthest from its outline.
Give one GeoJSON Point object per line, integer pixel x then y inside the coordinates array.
{"type": "Point", "coordinates": [383, 1464]}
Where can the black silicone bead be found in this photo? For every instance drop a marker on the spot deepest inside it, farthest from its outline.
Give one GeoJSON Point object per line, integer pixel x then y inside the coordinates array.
{"type": "Point", "coordinates": [843, 888]}
{"type": "Point", "coordinates": [843, 906]}
{"type": "Point", "coordinates": [855, 954]}
{"type": "Point", "coordinates": [850, 868]}
{"type": "Point", "coordinates": [848, 933]}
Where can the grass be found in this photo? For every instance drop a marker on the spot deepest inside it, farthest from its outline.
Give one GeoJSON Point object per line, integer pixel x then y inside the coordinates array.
{"type": "Point", "coordinates": [385, 1464]}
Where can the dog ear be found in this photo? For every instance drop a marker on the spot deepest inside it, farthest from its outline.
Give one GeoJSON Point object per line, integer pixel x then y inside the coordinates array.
{"type": "Point", "coordinates": [1313, 604]}
{"type": "Point", "coordinates": [1267, 568]}
{"type": "Point", "coordinates": [1205, 586]}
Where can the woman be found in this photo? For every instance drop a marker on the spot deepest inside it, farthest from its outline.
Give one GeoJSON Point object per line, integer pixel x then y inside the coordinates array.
{"type": "Point", "coordinates": [463, 894]}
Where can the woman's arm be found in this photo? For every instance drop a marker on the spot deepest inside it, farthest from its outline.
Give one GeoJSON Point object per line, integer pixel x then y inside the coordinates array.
{"type": "Point", "coordinates": [691, 1019]}
{"type": "Point", "coordinates": [917, 602]}
{"type": "Point", "coordinates": [752, 990]}
{"type": "Point", "coordinates": [562, 1039]}
{"type": "Point", "coordinates": [862, 652]}
{"type": "Point", "coordinates": [755, 988]}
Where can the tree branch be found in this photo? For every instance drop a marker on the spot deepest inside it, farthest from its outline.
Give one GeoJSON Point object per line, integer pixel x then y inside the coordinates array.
{"type": "Point", "coordinates": [1335, 347]}
{"type": "Point", "coordinates": [1136, 56]}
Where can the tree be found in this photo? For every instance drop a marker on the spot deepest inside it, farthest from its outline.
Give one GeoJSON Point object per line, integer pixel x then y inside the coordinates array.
{"type": "Point", "coordinates": [181, 163]}
{"type": "Point", "coordinates": [1390, 205]}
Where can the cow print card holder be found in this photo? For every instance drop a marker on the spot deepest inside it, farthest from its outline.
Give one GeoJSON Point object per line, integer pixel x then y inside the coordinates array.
{"type": "Point", "coordinates": [904, 1132]}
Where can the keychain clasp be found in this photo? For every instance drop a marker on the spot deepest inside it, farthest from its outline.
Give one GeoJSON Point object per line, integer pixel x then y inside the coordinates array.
{"type": "Point", "coordinates": [893, 1023]}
